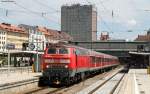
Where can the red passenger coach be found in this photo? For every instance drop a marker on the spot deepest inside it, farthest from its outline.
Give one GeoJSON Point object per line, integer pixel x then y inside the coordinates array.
{"type": "Point", "coordinates": [66, 64]}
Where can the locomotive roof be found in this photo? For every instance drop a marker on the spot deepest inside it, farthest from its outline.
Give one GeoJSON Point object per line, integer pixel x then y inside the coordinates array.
{"type": "Point", "coordinates": [90, 52]}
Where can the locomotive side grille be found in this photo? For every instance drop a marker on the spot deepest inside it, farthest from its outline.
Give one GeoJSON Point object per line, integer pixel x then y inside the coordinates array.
{"type": "Point", "coordinates": [58, 65]}
{"type": "Point", "coordinates": [57, 60]}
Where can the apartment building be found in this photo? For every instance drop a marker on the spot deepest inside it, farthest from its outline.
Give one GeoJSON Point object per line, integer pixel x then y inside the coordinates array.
{"type": "Point", "coordinates": [11, 34]}
{"type": "Point", "coordinates": [2, 40]}
{"type": "Point", "coordinates": [39, 35]}
{"type": "Point", "coordinates": [145, 37]}
{"type": "Point", "coordinates": [36, 37]}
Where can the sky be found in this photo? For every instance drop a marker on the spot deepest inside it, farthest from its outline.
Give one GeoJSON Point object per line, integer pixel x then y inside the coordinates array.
{"type": "Point", "coordinates": [128, 15]}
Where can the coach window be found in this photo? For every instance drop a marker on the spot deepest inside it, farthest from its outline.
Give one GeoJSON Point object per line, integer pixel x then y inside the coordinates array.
{"type": "Point", "coordinates": [99, 60]}
{"type": "Point", "coordinates": [104, 59]}
{"type": "Point", "coordinates": [93, 59]}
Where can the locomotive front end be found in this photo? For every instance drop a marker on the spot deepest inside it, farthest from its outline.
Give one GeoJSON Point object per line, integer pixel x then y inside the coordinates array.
{"type": "Point", "coordinates": [56, 62]}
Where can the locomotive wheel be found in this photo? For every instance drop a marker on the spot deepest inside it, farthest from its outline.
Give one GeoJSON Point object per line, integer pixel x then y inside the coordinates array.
{"type": "Point", "coordinates": [75, 79]}
{"type": "Point", "coordinates": [82, 76]}
{"type": "Point", "coordinates": [67, 82]}
{"type": "Point", "coordinates": [41, 82]}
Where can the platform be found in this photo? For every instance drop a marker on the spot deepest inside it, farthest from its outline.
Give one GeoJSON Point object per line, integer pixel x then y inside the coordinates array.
{"type": "Point", "coordinates": [137, 81]}
{"type": "Point", "coordinates": [16, 76]}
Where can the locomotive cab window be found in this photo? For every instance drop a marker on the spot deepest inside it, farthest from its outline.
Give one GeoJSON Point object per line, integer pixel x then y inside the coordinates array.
{"type": "Point", "coordinates": [63, 51]}
{"type": "Point", "coordinates": [58, 51]}
{"type": "Point", "coordinates": [51, 51]}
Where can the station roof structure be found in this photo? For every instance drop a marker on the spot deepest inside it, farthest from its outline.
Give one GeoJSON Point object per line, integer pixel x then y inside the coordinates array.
{"type": "Point", "coordinates": [18, 51]}
{"type": "Point", "coordinates": [140, 53]}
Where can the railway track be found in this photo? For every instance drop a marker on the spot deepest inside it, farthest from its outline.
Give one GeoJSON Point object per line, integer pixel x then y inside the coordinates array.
{"type": "Point", "coordinates": [84, 84]}
{"type": "Point", "coordinates": [18, 87]}
{"type": "Point", "coordinates": [115, 87]}
{"type": "Point", "coordinates": [65, 90]}
{"type": "Point", "coordinates": [104, 86]}
{"type": "Point", "coordinates": [45, 90]}
{"type": "Point", "coordinates": [109, 85]}
{"type": "Point", "coordinates": [18, 84]}
{"type": "Point", "coordinates": [16, 69]}
{"type": "Point", "coordinates": [53, 90]}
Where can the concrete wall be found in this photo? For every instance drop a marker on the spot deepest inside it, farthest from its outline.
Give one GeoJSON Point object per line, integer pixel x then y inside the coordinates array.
{"type": "Point", "coordinates": [120, 49]}
{"type": "Point", "coordinates": [130, 46]}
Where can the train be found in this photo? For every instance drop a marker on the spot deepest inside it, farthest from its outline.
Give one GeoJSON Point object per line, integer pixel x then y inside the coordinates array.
{"type": "Point", "coordinates": [66, 64]}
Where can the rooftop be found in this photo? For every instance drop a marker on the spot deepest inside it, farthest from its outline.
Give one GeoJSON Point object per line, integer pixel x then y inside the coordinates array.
{"type": "Point", "coordinates": [11, 28]}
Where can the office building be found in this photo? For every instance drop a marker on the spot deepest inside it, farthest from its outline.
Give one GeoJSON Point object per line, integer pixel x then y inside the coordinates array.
{"type": "Point", "coordinates": [79, 21]}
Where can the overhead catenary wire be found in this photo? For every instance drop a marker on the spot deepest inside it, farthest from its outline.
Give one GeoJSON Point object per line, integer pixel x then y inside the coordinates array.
{"type": "Point", "coordinates": [26, 10]}
{"type": "Point", "coordinates": [106, 25]}
{"type": "Point", "coordinates": [2, 19]}
{"type": "Point", "coordinates": [103, 6]}
{"type": "Point", "coordinates": [42, 15]}
{"type": "Point", "coordinates": [46, 6]}
{"type": "Point", "coordinates": [100, 17]}
{"type": "Point", "coordinates": [88, 2]}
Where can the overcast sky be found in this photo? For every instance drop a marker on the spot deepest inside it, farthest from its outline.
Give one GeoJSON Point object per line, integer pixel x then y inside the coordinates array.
{"type": "Point", "coordinates": [127, 15]}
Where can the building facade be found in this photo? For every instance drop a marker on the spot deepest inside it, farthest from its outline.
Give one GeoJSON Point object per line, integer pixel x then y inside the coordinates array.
{"type": "Point", "coordinates": [3, 36]}
{"type": "Point", "coordinates": [11, 34]}
{"type": "Point", "coordinates": [145, 37]}
{"type": "Point", "coordinates": [79, 21]}
{"type": "Point", "coordinates": [39, 36]}
{"type": "Point", "coordinates": [36, 37]}
{"type": "Point", "coordinates": [104, 36]}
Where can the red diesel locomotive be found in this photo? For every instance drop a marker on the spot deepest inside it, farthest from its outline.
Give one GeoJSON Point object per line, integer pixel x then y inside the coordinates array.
{"type": "Point", "coordinates": [65, 64]}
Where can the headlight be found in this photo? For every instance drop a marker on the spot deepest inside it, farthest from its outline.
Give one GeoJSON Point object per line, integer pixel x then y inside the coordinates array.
{"type": "Point", "coordinates": [64, 61]}
{"type": "Point", "coordinates": [66, 66]}
{"type": "Point", "coordinates": [47, 66]}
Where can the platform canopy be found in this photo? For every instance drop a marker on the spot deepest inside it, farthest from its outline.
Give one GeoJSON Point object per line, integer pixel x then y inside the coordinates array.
{"type": "Point", "coordinates": [18, 51]}
{"type": "Point", "coordinates": [140, 53]}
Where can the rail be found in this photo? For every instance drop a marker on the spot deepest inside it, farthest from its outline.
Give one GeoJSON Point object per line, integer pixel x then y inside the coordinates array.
{"type": "Point", "coordinates": [116, 82]}
{"type": "Point", "coordinates": [113, 90]}
{"type": "Point", "coordinates": [91, 92]}
{"type": "Point", "coordinates": [44, 90]}
{"type": "Point", "coordinates": [16, 69]}
{"type": "Point", "coordinates": [17, 84]}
